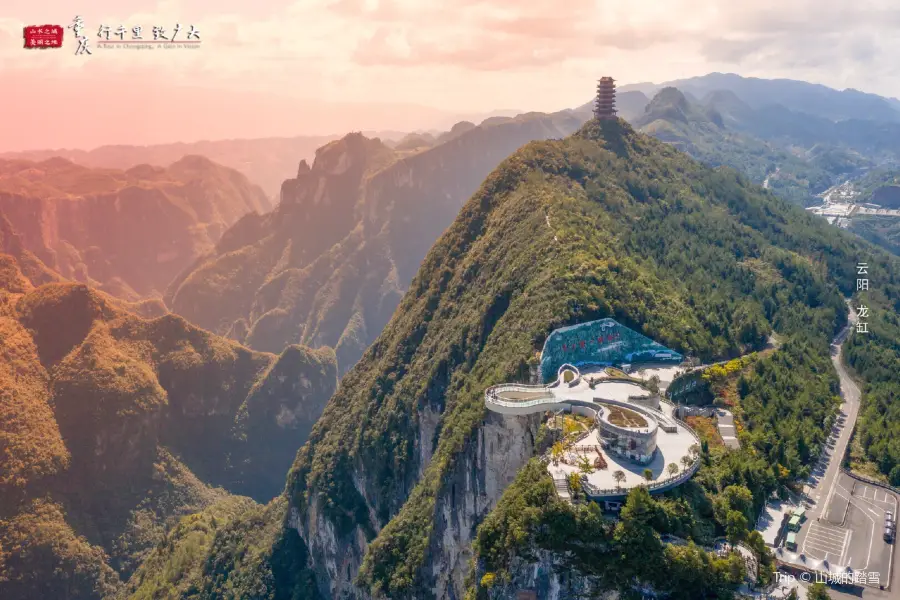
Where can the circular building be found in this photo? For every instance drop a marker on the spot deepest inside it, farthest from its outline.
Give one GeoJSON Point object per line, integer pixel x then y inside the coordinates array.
{"type": "Point", "coordinates": [627, 432]}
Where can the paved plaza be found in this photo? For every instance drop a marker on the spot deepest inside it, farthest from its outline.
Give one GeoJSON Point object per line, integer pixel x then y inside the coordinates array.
{"type": "Point", "coordinates": [599, 396]}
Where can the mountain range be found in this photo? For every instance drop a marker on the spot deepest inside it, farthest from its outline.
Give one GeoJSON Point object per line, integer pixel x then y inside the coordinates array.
{"type": "Point", "coordinates": [386, 498]}
{"type": "Point", "coordinates": [303, 274]}
{"type": "Point", "coordinates": [144, 451]}
{"type": "Point", "coordinates": [126, 232]}
{"type": "Point", "coordinates": [329, 265]}
{"type": "Point", "coordinates": [796, 96]}
{"type": "Point", "coordinates": [116, 419]}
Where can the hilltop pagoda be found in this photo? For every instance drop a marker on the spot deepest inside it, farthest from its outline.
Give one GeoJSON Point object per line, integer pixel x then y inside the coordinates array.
{"type": "Point", "coordinates": [605, 103]}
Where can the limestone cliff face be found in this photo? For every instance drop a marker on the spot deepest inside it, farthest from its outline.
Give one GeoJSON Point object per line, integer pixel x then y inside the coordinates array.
{"type": "Point", "coordinates": [549, 578]}
{"type": "Point", "coordinates": [503, 444]}
{"type": "Point", "coordinates": [489, 464]}
{"type": "Point", "coordinates": [126, 232]}
{"type": "Point", "coordinates": [329, 265]}
{"type": "Point", "coordinates": [252, 267]}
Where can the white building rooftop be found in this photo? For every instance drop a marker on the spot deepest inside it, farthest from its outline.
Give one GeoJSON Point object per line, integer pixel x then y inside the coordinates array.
{"type": "Point", "coordinates": [674, 439]}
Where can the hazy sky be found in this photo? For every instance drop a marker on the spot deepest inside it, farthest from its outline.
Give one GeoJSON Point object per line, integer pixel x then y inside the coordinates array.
{"type": "Point", "coordinates": [279, 67]}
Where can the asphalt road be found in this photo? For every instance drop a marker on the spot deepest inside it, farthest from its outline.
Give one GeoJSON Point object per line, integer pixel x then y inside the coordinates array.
{"type": "Point", "coordinates": [823, 481]}
{"type": "Point", "coordinates": [846, 521]}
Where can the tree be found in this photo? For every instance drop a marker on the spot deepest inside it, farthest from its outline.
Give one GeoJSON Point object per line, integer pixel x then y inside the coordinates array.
{"type": "Point", "coordinates": [758, 545]}
{"type": "Point", "coordinates": [574, 480]}
{"type": "Point", "coordinates": [694, 450]}
{"type": "Point", "coordinates": [648, 474]}
{"type": "Point", "coordinates": [585, 465]}
{"type": "Point", "coordinates": [817, 591]}
{"type": "Point", "coordinates": [735, 527]}
{"type": "Point", "coordinates": [634, 536]}
{"type": "Point", "coordinates": [792, 595]}
{"type": "Point", "coordinates": [737, 497]}
{"type": "Point", "coordinates": [735, 568]}
{"type": "Point", "coordinates": [556, 452]}
{"type": "Point", "coordinates": [672, 468]}
{"type": "Point", "coordinates": [619, 476]}
{"type": "Point", "coordinates": [686, 462]}
{"type": "Point", "coordinates": [653, 384]}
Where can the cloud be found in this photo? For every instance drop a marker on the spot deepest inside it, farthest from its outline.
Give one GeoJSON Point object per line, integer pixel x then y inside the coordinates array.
{"type": "Point", "coordinates": [455, 55]}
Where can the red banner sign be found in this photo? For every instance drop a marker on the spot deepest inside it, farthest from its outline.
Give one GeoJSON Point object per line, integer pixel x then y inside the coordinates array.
{"type": "Point", "coordinates": [599, 341]}
{"type": "Point", "coordinates": [43, 36]}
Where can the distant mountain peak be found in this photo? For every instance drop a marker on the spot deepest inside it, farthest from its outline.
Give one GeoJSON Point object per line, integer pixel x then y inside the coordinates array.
{"type": "Point", "coordinates": [56, 162]}
{"type": "Point", "coordinates": [352, 149]}
{"type": "Point", "coordinates": [194, 161]}
{"type": "Point", "coordinates": [672, 105]}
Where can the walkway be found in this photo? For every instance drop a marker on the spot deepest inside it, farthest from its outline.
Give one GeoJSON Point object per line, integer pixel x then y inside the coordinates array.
{"type": "Point", "coordinates": [593, 393]}
{"type": "Point", "coordinates": [725, 423]}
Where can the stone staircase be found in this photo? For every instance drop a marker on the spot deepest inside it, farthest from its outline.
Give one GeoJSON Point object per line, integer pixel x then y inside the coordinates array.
{"type": "Point", "coordinates": [562, 488]}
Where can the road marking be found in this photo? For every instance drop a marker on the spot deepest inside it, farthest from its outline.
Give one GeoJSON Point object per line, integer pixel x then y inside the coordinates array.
{"type": "Point", "coordinates": [871, 503]}
{"type": "Point", "coordinates": [821, 538]}
{"type": "Point", "coordinates": [827, 535]}
{"type": "Point", "coordinates": [825, 541]}
{"type": "Point", "coordinates": [845, 547]}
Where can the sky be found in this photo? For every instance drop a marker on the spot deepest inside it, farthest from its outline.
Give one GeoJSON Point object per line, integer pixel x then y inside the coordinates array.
{"type": "Point", "coordinates": [294, 67]}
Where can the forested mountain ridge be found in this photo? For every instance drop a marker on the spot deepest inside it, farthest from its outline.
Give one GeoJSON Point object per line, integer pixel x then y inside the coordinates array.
{"type": "Point", "coordinates": [126, 232]}
{"type": "Point", "coordinates": [405, 462]}
{"type": "Point", "coordinates": [267, 286]}
{"type": "Point", "coordinates": [799, 96]}
{"type": "Point", "coordinates": [712, 132]}
{"type": "Point", "coordinates": [113, 425]}
{"type": "Point", "coordinates": [329, 265]}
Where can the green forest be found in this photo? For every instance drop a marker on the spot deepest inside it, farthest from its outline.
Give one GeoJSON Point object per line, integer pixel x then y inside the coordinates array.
{"type": "Point", "coordinates": [698, 259]}
{"type": "Point", "coordinates": [605, 223]}
{"type": "Point", "coordinates": [875, 357]}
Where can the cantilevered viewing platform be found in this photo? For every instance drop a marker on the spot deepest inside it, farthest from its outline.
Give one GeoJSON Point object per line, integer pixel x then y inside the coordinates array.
{"type": "Point", "coordinates": [633, 439]}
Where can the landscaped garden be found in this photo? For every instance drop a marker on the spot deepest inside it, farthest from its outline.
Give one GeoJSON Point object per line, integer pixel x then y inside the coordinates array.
{"type": "Point", "coordinates": [623, 417]}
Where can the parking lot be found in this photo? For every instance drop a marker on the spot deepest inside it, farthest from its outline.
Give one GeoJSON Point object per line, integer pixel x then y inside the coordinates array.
{"type": "Point", "coordinates": [848, 534]}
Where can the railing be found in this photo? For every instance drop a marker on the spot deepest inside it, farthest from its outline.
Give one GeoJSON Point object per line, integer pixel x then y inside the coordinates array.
{"type": "Point", "coordinates": [560, 373]}
{"type": "Point", "coordinates": [492, 394]}
{"type": "Point", "coordinates": [592, 490]}
{"type": "Point", "coordinates": [523, 404]}
{"type": "Point", "coordinates": [870, 480]}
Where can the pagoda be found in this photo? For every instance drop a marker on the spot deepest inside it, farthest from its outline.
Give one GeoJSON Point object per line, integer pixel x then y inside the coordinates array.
{"type": "Point", "coordinates": [605, 104]}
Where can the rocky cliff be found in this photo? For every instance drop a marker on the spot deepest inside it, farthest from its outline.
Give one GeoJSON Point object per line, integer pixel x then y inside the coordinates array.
{"type": "Point", "coordinates": [329, 265]}
{"type": "Point", "coordinates": [405, 463]}
{"type": "Point", "coordinates": [407, 488]}
{"type": "Point", "coordinates": [126, 232]}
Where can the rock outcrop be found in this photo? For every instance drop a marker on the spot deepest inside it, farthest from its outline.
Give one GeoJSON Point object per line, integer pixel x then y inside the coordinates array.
{"type": "Point", "coordinates": [329, 265]}
{"type": "Point", "coordinates": [126, 232]}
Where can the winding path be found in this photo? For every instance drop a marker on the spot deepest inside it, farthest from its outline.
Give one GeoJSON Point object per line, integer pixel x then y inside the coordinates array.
{"type": "Point", "coordinates": [826, 480]}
